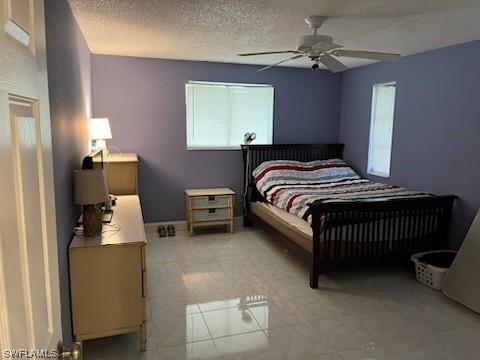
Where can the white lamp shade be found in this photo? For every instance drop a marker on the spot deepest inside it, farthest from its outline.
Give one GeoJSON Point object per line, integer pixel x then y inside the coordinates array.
{"type": "Point", "coordinates": [90, 187]}
{"type": "Point", "coordinates": [100, 129]}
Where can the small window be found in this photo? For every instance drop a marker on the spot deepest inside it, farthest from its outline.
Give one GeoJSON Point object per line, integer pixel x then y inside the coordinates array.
{"type": "Point", "coordinates": [381, 129]}
{"type": "Point", "coordinates": [219, 114]}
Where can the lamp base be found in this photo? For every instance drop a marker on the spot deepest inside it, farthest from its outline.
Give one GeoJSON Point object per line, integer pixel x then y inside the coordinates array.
{"type": "Point", "coordinates": [100, 144]}
{"type": "Point", "coordinates": [92, 221]}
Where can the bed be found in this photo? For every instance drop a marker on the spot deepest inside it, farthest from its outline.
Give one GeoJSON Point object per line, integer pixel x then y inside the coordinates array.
{"type": "Point", "coordinates": [329, 230]}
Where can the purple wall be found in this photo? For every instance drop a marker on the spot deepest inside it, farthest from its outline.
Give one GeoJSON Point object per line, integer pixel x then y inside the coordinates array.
{"type": "Point", "coordinates": [145, 101]}
{"type": "Point", "coordinates": [69, 82]}
{"type": "Point", "coordinates": [435, 135]}
{"type": "Point", "coordinates": [437, 124]}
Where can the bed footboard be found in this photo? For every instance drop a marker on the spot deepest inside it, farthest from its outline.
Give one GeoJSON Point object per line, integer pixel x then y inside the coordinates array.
{"type": "Point", "coordinates": [347, 231]}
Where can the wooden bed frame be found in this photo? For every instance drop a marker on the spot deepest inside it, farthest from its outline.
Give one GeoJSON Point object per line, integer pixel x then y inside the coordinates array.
{"type": "Point", "coordinates": [408, 225]}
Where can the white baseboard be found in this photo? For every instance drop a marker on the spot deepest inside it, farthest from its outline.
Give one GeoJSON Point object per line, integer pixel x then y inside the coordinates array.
{"type": "Point", "coordinates": [181, 225]}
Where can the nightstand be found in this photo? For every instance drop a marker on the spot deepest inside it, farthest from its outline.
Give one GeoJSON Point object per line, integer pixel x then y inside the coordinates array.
{"type": "Point", "coordinates": [208, 207]}
{"type": "Point", "coordinates": [121, 173]}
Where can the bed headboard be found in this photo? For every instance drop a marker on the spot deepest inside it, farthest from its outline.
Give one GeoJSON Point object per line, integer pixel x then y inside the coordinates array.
{"type": "Point", "coordinates": [254, 155]}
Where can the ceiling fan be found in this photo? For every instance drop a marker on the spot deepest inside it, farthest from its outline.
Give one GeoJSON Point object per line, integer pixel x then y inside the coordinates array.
{"type": "Point", "coordinates": [322, 50]}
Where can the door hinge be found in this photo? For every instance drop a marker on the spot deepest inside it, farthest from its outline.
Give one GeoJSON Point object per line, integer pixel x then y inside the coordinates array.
{"type": "Point", "coordinates": [73, 353]}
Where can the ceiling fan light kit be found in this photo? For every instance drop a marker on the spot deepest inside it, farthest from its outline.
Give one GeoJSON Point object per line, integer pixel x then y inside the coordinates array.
{"type": "Point", "coordinates": [322, 49]}
{"type": "Point", "coordinates": [315, 21]}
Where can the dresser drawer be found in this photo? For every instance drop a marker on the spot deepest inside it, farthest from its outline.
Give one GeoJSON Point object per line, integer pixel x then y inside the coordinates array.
{"type": "Point", "coordinates": [201, 202]}
{"type": "Point", "coordinates": [211, 214]}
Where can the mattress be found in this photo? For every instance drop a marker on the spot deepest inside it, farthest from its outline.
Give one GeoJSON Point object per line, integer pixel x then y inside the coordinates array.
{"type": "Point", "coordinates": [300, 231]}
{"type": "Point", "coordinates": [291, 226]}
{"type": "Point", "coordinates": [292, 185]}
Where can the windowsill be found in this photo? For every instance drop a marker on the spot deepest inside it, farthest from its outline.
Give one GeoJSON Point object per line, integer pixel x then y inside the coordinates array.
{"type": "Point", "coordinates": [213, 148]}
{"type": "Point", "coordinates": [378, 173]}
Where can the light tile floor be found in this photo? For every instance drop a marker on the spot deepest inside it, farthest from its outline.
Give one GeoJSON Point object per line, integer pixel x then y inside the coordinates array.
{"type": "Point", "coordinates": [242, 296]}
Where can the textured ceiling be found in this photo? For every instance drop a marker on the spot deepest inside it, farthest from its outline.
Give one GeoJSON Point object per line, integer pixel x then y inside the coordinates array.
{"type": "Point", "coordinates": [215, 30]}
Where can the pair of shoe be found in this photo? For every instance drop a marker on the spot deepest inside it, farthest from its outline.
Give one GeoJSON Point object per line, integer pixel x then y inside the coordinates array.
{"type": "Point", "coordinates": [162, 231]}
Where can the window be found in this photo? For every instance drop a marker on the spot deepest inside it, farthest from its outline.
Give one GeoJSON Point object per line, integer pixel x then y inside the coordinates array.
{"type": "Point", "coordinates": [219, 114]}
{"type": "Point", "coordinates": [381, 129]}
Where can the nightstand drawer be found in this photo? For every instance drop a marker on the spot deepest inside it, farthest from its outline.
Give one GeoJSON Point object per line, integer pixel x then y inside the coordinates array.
{"type": "Point", "coordinates": [202, 202]}
{"type": "Point", "coordinates": [211, 214]}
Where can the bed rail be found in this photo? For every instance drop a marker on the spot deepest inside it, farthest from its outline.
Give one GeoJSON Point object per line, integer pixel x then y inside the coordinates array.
{"type": "Point", "coordinates": [343, 231]}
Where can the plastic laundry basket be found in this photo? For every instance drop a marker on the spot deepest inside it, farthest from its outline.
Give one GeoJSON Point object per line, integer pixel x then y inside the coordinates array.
{"type": "Point", "coordinates": [431, 266]}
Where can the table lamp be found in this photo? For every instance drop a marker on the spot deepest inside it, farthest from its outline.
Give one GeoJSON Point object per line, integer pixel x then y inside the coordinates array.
{"type": "Point", "coordinates": [99, 129]}
{"type": "Point", "coordinates": [90, 190]}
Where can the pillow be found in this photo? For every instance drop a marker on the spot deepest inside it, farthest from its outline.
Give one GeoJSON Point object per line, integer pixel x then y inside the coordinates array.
{"type": "Point", "coordinates": [288, 172]}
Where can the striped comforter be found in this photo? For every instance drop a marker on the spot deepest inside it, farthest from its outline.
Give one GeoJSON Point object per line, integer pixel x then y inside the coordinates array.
{"type": "Point", "coordinates": [293, 185]}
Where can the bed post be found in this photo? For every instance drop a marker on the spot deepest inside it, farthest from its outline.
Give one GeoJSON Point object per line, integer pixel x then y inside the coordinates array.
{"type": "Point", "coordinates": [246, 187]}
{"type": "Point", "coordinates": [445, 222]}
{"type": "Point", "coordinates": [246, 218]}
{"type": "Point", "coordinates": [315, 263]}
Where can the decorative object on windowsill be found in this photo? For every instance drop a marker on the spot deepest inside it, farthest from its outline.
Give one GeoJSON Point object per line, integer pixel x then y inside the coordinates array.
{"type": "Point", "coordinates": [249, 137]}
{"type": "Point", "coordinates": [99, 129]}
{"type": "Point", "coordinates": [90, 190]}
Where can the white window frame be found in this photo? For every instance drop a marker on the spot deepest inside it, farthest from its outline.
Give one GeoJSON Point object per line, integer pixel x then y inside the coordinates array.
{"type": "Point", "coordinates": [225, 84]}
{"type": "Point", "coordinates": [372, 123]}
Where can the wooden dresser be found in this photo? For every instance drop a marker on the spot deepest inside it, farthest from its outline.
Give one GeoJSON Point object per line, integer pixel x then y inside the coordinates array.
{"type": "Point", "coordinates": [108, 276]}
{"type": "Point", "coordinates": [208, 207]}
{"type": "Point", "coordinates": [121, 171]}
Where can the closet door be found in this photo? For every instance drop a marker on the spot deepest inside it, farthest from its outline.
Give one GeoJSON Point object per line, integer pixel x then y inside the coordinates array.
{"type": "Point", "coordinates": [29, 285]}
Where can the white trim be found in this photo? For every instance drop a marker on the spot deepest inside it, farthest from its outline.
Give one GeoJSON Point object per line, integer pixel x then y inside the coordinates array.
{"type": "Point", "coordinates": [372, 123]}
{"type": "Point", "coordinates": [378, 173]}
{"type": "Point", "coordinates": [43, 211]}
{"type": "Point", "coordinates": [181, 225]}
{"type": "Point", "coordinates": [17, 32]}
{"type": "Point", "coordinates": [4, 318]}
{"type": "Point", "coordinates": [208, 147]}
{"type": "Point", "coordinates": [228, 84]}
{"type": "Point", "coordinates": [22, 234]}
{"type": "Point", "coordinates": [191, 145]}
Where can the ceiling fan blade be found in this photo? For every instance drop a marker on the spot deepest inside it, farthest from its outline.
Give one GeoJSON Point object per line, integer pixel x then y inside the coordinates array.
{"type": "Point", "coordinates": [278, 63]}
{"type": "Point", "coordinates": [270, 52]}
{"type": "Point", "coordinates": [371, 55]}
{"type": "Point", "coordinates": [332, 64]}
{"type": "Point", "coordinates": [325, 46]}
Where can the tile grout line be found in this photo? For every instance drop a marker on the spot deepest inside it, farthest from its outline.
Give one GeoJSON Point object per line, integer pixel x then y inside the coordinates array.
{"type": "Point", "coordinates": [209, 332]}
{"type": "Point", "coordinates": [417, 302]}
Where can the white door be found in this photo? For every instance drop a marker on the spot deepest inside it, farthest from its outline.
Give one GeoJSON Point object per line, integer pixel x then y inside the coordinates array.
{"type": "Point", "coordinates": [29, 285]}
